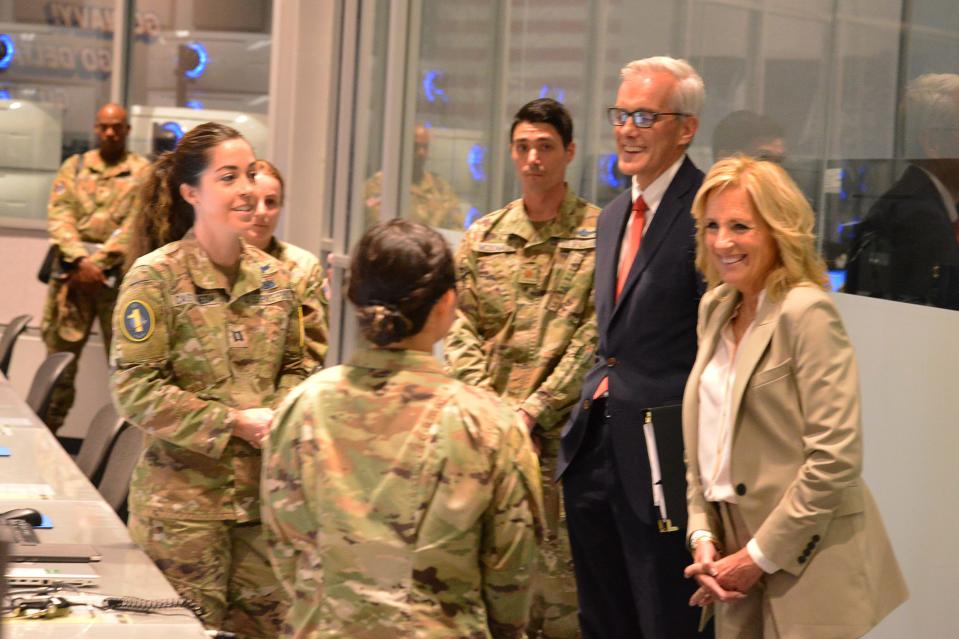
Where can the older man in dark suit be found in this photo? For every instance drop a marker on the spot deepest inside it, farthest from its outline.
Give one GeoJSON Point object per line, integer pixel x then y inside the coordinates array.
{"type": "Point", "coordinates": [630, 575]}
{"type": "Point", "coordinates": [907, 246]}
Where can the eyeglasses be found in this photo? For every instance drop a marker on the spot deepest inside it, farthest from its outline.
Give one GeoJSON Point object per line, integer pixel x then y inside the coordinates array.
{"type": "Point", "coordinates": [642, 119]}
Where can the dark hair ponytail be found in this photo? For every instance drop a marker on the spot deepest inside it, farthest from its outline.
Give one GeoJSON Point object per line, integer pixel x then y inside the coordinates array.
{"type": "Point", "coordinates": [161, 214]}
{"type": "Point", "coordinates": [399, 270]}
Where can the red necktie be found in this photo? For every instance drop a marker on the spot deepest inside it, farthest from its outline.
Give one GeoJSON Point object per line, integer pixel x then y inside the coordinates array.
{"type": "Point", "coordinates": [630, 249]}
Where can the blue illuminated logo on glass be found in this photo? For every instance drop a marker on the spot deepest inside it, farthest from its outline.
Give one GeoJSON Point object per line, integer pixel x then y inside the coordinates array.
{"type": "Point", "coordinates": [430, 88]}
{"type": "Point", "coordinates": [202, 59]}
{"type": "Point", "coordinates": [471, 216]}
{"type": "Point", "coordinates": [173, 128]}
{"type": "Point", "coordinates": [559, 94]}
{"type": "Point", "coordinates": [7, 49]}
{"type": "Point", "coordinates": [607, 170]}
{"type": "Point", "coordinates": [475, 159]}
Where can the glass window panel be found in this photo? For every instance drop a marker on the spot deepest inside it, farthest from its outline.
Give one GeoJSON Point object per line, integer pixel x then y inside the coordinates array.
{"type": "Point", "coordinates": [830, 74]}
{"type": "Point", "coordinates": [56, 61]}
{"type": "Point", "coordinates": [371, 111]}
{"type": "Point", "coordinates": [453, 137]}
{"type": "Point", "coordinates": [199, 60]}
{"type": "Point", "coordinates": [549, 55]}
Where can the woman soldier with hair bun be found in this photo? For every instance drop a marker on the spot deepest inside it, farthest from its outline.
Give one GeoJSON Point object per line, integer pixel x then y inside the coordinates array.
{"type": "Point", "coordinates": [207, 342]}
{"type": "Point", "coordinates": [399, 501]}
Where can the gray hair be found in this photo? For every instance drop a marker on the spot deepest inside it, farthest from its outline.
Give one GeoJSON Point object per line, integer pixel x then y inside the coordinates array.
{"type": "Point", "coordinates": [931, 102]}
{"type": "Point", "coordinates": [690, 89]}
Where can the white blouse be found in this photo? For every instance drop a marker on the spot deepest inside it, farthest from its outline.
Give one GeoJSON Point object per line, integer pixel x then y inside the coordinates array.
{"type": "Point", "coordinates": [715, 421]}
{"type": "Point", "coordinates": [716, 426]}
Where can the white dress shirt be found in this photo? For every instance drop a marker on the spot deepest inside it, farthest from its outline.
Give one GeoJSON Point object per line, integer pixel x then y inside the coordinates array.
{"type": "Point", "coordinates": [716, 425]}
{"type": "Point", "coordinates": [654, 196]}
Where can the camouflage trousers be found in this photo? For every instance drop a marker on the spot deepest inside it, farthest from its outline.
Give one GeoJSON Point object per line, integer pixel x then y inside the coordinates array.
{"type": "Point", "coordinates": [67, 320]}
{"type": "Point", "coordinates": [221, 565]}
{"type": "Point", "coordinates": [555, 610]}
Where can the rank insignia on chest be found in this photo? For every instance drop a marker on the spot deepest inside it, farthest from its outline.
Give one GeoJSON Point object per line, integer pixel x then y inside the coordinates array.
{"type": "Point", "coordinates": [529, 274]}
{"type": "Point", "coordinates": [237, 336]}
{"type": "Point", "coordinates": [138, 321]}
{"type": "Point", "coordinates": [267, 285]}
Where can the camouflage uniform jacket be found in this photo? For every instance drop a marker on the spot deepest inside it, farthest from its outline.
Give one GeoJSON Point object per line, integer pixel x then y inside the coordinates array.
{"type": "Point", "coordinates": [307, 277]}
{"type": "Point", "coordinates": [526, 321]}
{"type": "Point", "coordinates": [432, 202]}
{"type": "Point", "coordinates": [400, 503]}
{"type": "Point", "coordinates": [189, 350]}
{"type": "Point", "coordinates": [90, 202]}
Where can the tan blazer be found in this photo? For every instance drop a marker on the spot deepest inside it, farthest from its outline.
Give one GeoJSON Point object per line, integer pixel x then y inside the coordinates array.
{"type": "Point", "coordinates": [796, 465]}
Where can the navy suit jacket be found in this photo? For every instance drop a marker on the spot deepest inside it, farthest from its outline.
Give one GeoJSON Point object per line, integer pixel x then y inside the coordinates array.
{"type": "Point", "coordinates": [910, 227]}
{"type": "Point", "coordinates": [647, 339]}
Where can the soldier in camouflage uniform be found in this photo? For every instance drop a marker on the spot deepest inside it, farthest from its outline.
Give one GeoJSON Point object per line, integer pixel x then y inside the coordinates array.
{"type": "Point", "coordinates": [527, 327]}
{"type": "Point", "coordinates": [432, 199]}
{"type": "Point", "coordinates": [401, 502]}
{"type": "Point", "coordinates": [303, 265]}
{"type": "Point", "coordinates": [207, 341]}
{"type": "Point", "coordinates": [87, 217]}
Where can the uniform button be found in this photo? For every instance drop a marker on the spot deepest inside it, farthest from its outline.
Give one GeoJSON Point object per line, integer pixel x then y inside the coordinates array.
{"type": "Point", "coordinates": [807, 551]}
{"type": "Point", "coordinates": [611, 362]}
{"type": "Point", "coordinates": [802, 559]}
{"type": "Point", "coordinates": [815, 539]}
{"type": "Point", "coordinates": [740, 489]}
{"type": "Point", "coordinates": [586, 404]}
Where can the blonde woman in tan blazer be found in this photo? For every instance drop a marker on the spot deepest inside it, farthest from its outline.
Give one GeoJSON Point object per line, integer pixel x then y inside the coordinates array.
{"type": "Point", "coordinates": [787, 540]}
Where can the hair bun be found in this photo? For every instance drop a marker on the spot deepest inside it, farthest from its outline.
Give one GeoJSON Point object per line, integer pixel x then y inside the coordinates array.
{"type": "Point", "coordinates": [383, 324]}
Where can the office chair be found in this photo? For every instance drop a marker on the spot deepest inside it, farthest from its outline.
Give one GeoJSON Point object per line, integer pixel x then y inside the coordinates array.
{"type": "Point", "coordinates": [9, 339]}
{"type": "Point", "coordinates": [46, 377]}
{"type": "Point", "coordinates": [114, 485]}
{"type": "Point", "coordinates": [96, 445]}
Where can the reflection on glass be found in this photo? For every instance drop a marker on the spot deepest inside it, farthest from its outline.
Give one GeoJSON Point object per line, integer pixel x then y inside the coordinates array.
{"type": "Point", "coordinates": [198, 63]}
{"type": "Point", "coordinates": [54, 74]}
{"type": "Point", "coordinates": [907, 246]}
{"type": "Point", "coordinates": [749, 133]}
{"type": "Point", "coordinates": [433, 200]}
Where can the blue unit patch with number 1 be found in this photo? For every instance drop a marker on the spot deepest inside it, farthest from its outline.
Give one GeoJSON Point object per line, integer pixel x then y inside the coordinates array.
{"type": "Point", "coordinates": [138, 321]}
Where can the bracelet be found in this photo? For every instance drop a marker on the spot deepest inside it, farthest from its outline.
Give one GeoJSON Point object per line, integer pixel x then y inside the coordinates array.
{"type": "Point", "coordinates": [700, 536]}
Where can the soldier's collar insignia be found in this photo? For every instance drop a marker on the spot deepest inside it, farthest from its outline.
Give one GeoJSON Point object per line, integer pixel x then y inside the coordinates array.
{"type": "Point", "coordinates": [267, 285]}
{"type": "Point", "coordinates": [138, 321]}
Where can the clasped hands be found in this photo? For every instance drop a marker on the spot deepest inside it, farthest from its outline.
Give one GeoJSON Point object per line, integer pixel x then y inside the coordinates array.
{"type": "Point", "coordinates": [721, 578]}
{"type": "Point", "coordinates": [87, 278]}
{"type": "Point", "coordinates": [253, 425]}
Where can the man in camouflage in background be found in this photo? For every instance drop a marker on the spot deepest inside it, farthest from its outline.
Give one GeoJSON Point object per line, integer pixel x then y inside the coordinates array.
{"type": "Point", "coordinates": [432, 199]}
{"type": "Point", "coordinates": [526, 326]}
{"type": "Point", "coordinates": [88, 214]}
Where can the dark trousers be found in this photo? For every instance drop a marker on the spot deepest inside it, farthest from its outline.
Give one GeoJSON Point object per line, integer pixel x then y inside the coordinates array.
{"type": "Point", "coordinates": [629, 575]}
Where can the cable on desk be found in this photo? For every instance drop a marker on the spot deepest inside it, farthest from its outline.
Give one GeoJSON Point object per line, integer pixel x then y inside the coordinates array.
{"type": "Point", "coordinates": [135, 604]}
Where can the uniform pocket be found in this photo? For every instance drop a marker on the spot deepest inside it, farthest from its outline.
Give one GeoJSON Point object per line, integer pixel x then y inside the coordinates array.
{"type": "Point", "coordinates": [199, 354]}
{"type": "Point", "coordinates": [270, 337]}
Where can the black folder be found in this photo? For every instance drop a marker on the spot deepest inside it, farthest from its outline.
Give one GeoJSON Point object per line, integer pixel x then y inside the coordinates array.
{"type": "Point", "coordinates": [667, 431]}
